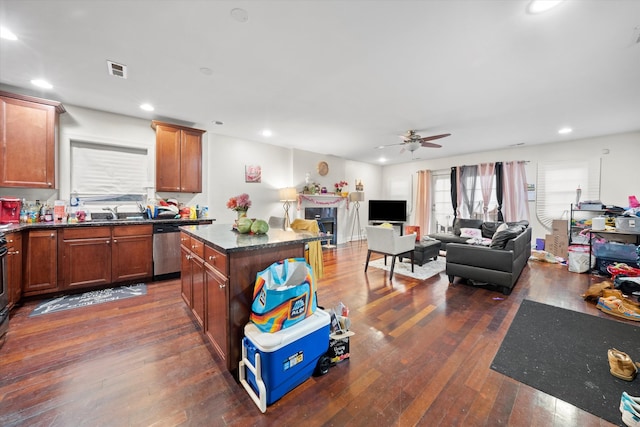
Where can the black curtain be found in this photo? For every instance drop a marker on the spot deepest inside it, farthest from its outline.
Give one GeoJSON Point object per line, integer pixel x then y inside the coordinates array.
{"type": "Point", "coordinates": [454, 193]}
{"type": "Point", "coordinates": [499, 179]}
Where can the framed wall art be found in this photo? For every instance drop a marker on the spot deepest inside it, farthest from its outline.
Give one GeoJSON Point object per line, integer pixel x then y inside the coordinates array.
{"type": "Point", "coordinates": [252, 173]}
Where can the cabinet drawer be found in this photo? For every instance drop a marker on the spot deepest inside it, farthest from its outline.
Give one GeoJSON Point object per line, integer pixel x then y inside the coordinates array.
{"type": "Point", "coordinates": [132, 230]}
{"type": "Point", "coordinates": [185, 240]}
{"type": "Point", "coordinates": [71, 233]}
{"type": "Point", "coordinates": [216, 259]}
{"type": "Point", "coordinates": [197, 247]}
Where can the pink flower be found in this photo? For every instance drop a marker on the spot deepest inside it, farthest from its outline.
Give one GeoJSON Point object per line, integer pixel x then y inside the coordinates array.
{"type": "Point", "coordinates": [341, 184]}
{"type": "Point", "coordinates": [239, 203]}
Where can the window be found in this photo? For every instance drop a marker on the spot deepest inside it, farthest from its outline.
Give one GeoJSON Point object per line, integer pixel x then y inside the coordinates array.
{"type": "Point", "coordinates": [107, 172]}
{"type": "Point", "coordinates": [442, 209]}
{"type": "Point", "coordinates": [557, 183]}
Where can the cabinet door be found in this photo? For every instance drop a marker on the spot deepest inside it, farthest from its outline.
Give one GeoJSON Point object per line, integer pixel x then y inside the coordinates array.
{"type": "Point", "coordinates": [40, 269]}
{"type": "Point", "coordinates": [167, 158]}
{"type": "Point", "coordinates": [85, 257]}
{"type": "Point", "coordinates": [14, 267]}
{"type": "Point", "coordinates": [185, 275]}
{"type": "Point", "coordinates": [197, 289]}
{"type": "Point", "coordinates": [216, 310]}
{"type": "Point", "coordinates": [28, 132]}
{"type": "Point", "coordinates": [132, 258]}
{"type": "Point", "coordinates": [191, 161]}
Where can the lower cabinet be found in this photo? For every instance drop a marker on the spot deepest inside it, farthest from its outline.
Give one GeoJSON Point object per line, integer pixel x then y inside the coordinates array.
{"type": "Point", "coordinates": [131, 252]}
{"type": "Point", "coordinates": [192, 277]}
{"type": "Point", "coordinates": [216, 310]}
{"type": "Point", "coordinates": [96, 256]}
{"type": "Point", "coordinates": [40, 263]}
{"type": "Point", "coordinates": [84, 257]}
{"type": "Point", "coordinates": [14, 267]}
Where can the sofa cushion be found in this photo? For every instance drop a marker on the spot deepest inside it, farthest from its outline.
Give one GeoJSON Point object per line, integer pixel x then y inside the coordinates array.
{"type": "Point", "coordinates": [490, 228]}
{"type": "Point", "coordinates": [501, 238]}
{"type": "Point", "coordinates": [470, 232]}
{"type": "Point", "coordinates": [465, 223]}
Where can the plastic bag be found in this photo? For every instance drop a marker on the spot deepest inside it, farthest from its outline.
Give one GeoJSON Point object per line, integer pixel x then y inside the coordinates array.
{"type": "Point", "coordinates": [283, 294]}
{"type": "Point", "coordinates": [579, 259]}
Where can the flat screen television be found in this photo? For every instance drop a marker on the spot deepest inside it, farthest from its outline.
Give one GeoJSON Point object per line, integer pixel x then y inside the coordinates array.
{"type": "Point", "coordinates": [388, 210]}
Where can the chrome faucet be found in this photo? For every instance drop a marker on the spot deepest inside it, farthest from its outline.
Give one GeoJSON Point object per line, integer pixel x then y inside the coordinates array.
{"type": "Point", "coordinates": [112, 211]}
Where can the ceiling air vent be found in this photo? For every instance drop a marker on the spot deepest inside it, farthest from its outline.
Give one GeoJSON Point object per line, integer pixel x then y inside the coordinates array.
{"type": "Point", "coordinates": [117, 70]}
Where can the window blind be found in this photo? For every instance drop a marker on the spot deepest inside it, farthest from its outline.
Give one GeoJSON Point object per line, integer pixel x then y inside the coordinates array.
{"type": "Point", "coordinates": [103, 169]}
{"type": "Point", "coordinates": [557, 183]}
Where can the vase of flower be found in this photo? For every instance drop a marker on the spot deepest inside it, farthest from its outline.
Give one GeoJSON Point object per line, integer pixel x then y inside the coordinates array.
{"type": "Point", "coordinates": [241, 213]}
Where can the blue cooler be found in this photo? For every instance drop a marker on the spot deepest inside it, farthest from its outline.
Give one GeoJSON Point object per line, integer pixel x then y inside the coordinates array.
{"type": "Point", "coordinates": [275, 363]}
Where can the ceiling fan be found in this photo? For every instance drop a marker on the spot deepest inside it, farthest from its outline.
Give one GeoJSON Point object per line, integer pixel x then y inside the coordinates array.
{"type": "Point", "coordinates": [412, 141]}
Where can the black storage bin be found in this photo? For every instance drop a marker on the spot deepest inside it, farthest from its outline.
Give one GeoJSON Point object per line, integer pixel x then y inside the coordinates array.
{"type": "Point", "coordinates": [602, 263]}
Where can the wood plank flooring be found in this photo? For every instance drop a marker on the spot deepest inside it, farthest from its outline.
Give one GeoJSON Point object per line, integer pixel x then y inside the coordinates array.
{"type": "Point", "coordinates": [420, 356]}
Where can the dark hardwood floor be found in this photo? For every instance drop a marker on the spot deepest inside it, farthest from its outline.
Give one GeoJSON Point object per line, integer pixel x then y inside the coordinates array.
{"type": "Point", "coordinates": [420, 356]}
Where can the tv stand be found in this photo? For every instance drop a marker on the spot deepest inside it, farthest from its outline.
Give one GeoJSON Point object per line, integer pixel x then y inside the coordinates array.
{"type": "Point", "coordinates": [399, 224]}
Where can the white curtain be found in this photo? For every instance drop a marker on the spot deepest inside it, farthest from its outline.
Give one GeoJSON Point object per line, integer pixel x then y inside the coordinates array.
{"type": "Point", "coordinates": [487, 175]}
{"type": "Point", "coordinates": [516, 205]}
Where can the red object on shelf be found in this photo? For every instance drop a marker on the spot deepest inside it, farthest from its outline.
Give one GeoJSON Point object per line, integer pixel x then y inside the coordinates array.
{"type": "Point", "coordinates": [9, 210]}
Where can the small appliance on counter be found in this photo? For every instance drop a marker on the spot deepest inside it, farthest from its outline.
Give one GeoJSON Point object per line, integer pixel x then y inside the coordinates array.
{"type": "Point", "coordinates": [9, 210]}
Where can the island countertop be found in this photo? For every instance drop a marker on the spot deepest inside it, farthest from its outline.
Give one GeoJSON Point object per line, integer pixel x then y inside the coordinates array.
{"type": "Point", "coordinates": [223, 238]}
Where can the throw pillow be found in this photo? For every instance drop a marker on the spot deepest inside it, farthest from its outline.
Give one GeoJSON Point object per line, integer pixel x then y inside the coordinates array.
{"type": "Point", "coordinates": [501, 238]}
{"type": "Point", "coordinates": [471, 232]}
{"type": "Point", "coordinates": [489, 229]}
{"type": "Point", "coordinates": [502, 227]}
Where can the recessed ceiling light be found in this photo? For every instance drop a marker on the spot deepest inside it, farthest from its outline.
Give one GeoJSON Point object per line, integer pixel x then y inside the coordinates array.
{"type": "Point", "coordinates": [382, 160]}
{"type": "Point", "coordinates": [7, 34]}
{"type": "Point", "coordinates": [147, 107]}
{"type": "Point", "coordinates": [41, 83]}
{"type": "Point", "coordinates": [540, 6]}
{"type": "Point", "coordinates": [565, 131]}
{"type": "Point", "coordinates": [267, 133]}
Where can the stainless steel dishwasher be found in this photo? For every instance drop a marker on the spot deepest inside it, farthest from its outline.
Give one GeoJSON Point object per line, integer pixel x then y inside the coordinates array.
{"type": "Point", "coordinates": [166, 249]}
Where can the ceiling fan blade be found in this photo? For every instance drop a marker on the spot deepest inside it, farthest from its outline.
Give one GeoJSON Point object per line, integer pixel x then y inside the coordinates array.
{"type": "Point", "coordinates": [431, 145]}
{"type": "Point", "coordinates": [434, 137]}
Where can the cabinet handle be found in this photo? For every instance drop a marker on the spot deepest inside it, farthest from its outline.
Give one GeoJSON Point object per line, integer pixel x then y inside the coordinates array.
{"type": "Point", "coordinates": [13, 252]}
{"type": "Point", "coordinates": [49, 184]}
{"type": "Point", "coordinates": [222, 286]}
{"type": "Point", "coordinates": [52, 235]}
{"type": "Point", "coordinates": [188, 256]}
{"type": "Point", "coordinates": [115, 241]}
{"type": "Point", "coordinates": [212, 257]}
{"type": "Point", "coordinates": [107, 242]}
{"type": "Point", "coordinates": [10, 240]}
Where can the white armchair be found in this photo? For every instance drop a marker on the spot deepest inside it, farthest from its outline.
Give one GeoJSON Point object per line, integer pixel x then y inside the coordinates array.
{"type": "Point", "coordinates": [385, 241]}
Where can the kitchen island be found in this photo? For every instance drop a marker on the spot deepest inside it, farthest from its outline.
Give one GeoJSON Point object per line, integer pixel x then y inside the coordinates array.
{"type": "Point", "coordinates": [219, 268]}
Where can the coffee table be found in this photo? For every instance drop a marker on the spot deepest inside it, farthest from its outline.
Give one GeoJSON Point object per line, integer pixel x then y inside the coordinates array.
{"type": "Point", "coordinates": [424, 251]}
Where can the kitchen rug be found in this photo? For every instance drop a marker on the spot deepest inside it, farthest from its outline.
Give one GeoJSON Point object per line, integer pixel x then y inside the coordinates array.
{"type": "Point", "coordinates": [100, 296]}
{"type": "Point", "coordinates": [427, 270]}
{"type": "Point", "coordinates": [564, 354]}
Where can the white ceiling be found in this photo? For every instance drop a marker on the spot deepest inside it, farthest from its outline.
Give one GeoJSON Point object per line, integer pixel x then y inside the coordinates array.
{"type": "Point", "coordinates": [341, 77]}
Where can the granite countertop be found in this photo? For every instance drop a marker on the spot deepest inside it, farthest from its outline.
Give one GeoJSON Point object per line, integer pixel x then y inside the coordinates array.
{"type": "Point", "coordinates": [8, 228]}
{"type": "Point", "coordinates": [223, 238]}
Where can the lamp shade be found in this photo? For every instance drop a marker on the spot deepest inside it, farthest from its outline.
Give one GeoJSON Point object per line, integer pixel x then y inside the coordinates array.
{"type": "Point", "coordinates": [288, 194]}
{"type": "Point", "coordinates": [356, 196]}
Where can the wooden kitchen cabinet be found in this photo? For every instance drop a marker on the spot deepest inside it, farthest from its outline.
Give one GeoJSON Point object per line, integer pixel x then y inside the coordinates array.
{"type": "Point", "coordinates": [192, 276]}
{"type": "Point", "coordinates": [84, 257]}
{"type": "Point", "coordinates": [132, 252]}
{"type": "Point", "coordinates": [178, 158]}
{"type": "Point", "coordinates": [40, 262]}
{"type": "Point", "coordinates": [216, 321]}
{"type": "Point", "coordinates": [14, 267]}
{"type": "Point", "coordinates": [29, 134]}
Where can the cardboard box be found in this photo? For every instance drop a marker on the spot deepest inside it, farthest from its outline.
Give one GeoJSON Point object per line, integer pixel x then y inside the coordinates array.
{"type": "Point", "coordinates": [557, 245]}
{"type": "Point", "coordinates": [339, 346]}
{"type": "Point", "coordinates": [560, 226]}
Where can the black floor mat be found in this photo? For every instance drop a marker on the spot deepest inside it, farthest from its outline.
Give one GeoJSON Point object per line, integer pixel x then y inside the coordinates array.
{"type": "Point", "coordinates": [564, 354]}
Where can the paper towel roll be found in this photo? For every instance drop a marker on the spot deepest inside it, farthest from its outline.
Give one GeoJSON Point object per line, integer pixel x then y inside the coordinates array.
{"type": "Point", "coordinates": [597, 223]}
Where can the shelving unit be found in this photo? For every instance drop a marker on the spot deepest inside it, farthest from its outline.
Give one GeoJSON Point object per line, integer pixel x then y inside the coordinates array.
{"type": "Point", "coordinates": [579, 222]}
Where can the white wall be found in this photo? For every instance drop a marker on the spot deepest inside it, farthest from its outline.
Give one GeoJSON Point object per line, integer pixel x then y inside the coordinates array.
{"type": "Point", "coordinates": [619, 172]}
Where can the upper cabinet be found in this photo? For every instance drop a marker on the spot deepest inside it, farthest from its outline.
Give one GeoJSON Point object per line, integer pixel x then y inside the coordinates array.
{"type": "Point", "coordinates": [29, 137]}
{"type": "Point", "coordinates": [178, 158]}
